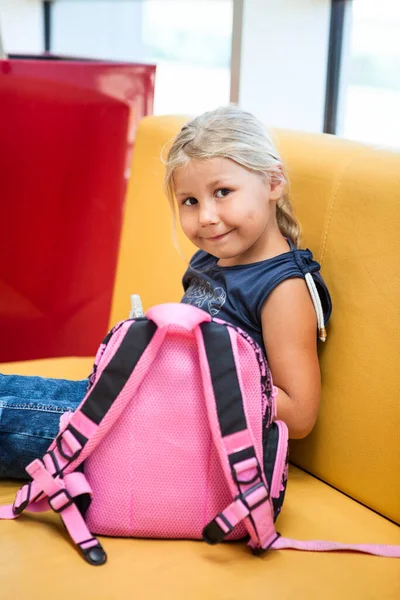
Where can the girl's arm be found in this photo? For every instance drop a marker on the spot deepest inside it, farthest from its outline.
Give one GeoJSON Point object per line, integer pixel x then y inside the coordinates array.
{"type": "Point", "coordinates": [289, 327]}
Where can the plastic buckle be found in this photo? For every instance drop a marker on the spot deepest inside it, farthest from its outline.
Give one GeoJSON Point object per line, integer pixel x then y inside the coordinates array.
{"type": "Point", "coordinates": [95, 555]}
{"type": "Point", "coordinates": [68, 457]}
{"type": "Point", "coordinates": [244, 482]}
{"type": "Point", "coordinates": [67, 503]}
{"type": "Point", "coordinates": [247, 493]}
{"type": "Point", "coordinates": [213, 534]}
{"type": "Point", "coordinates": [17, 510]}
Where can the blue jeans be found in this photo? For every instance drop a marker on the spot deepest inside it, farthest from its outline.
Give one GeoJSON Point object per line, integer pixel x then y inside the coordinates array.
{"type": "Point", "coordinates": [30, 411]}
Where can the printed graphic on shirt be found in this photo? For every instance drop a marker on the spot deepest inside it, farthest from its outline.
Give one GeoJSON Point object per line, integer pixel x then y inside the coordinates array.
{"type": "Point", "coordinates": [200, 293]}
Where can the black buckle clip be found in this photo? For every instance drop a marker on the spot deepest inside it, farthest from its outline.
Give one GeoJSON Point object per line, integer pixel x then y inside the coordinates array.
{"type": "Point", "coordinates": [213, 534]}
{"type": "Point", "coordinates": [69, 500]}
{"type": "Point", "coordinates": [17, 510]}
{"type": "Point", "coordinates": [94, 555]}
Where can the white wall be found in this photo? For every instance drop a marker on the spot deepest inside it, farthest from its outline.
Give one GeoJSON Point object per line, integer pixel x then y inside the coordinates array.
{"type": "Point", "coordinates": [21, 24]}
{"type": "Point", "coordinates": [284, 50]}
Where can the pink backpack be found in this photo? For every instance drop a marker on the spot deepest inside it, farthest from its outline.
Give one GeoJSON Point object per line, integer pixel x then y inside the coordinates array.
{"type": "Point", "coordinates": [175, 438]}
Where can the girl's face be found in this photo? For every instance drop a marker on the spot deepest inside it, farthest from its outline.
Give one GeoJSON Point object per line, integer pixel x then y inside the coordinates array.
{"type": "Point", "coordinates": [228, 210]}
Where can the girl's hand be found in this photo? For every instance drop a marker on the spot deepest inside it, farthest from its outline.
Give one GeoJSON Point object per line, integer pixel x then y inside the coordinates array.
{"type": "Point", "coordinates": [289, 326]}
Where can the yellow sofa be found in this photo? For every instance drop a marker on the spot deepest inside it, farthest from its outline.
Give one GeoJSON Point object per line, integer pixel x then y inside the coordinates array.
{"type": "Point", "coordinates": [346, 485]}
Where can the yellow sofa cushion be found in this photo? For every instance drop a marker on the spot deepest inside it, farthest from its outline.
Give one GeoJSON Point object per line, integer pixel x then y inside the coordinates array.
{"type": "Point", "coordinates": [74, 368]}
{"type": "Point", "coordinates": [38, 561]}
{"type": "Point", "coordinates": [37, 546]}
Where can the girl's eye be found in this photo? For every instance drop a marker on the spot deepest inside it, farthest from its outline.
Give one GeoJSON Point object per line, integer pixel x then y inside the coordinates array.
{"type": "Point", "coordinates": [189, 202]}
{"type": "Point", "coordinates": [223, 191]}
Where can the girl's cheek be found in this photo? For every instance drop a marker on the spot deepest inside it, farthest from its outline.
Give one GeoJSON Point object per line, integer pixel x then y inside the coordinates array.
{"type": "Point", "coordinates": [186, 226]}
{"type": "Point", "coordinates": [181, 216]}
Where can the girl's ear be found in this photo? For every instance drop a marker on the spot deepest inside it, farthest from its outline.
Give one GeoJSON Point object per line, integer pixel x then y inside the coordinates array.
{"type": "Point", "coordinates": [277, 185]}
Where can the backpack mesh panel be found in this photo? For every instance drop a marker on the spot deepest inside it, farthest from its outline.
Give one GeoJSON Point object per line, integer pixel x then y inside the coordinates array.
{"type": "Point", "coordinates": [157, 473]}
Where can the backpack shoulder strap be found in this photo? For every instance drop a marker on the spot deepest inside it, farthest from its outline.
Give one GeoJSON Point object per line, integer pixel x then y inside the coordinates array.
{"type": "Point", "coordinates": [237, 451]}
{"type": "Point", "coordinates": [234, 441]}
{"type": "Point", "coordinates": [133, 345]}
{"type": "Point", "coordinates": [54, 484]}
{"type": "Point", "coordinates": [87, 425]}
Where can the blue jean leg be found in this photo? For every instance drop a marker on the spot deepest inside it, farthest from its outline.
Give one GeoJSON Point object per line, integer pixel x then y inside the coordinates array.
{"type": "Point", "coordinates": [30, 411]}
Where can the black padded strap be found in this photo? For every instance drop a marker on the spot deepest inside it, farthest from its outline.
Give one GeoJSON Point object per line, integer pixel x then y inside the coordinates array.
{"type": "Point", "coordinates": [118, 370]}
{"type": "Point", "coordinates": [228, 396]}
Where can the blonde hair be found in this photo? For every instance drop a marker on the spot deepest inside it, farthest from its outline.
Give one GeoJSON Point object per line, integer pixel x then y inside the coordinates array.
{"type": "Point", "coordinates": [230, 132]}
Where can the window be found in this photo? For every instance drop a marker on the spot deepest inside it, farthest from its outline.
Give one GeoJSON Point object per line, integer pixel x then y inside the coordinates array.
{"type": "Point", "coordinates": [191, 44]}
{"type": "Point", "coordinates": [189, 40]}
{"type": "Point", "coordinates": [370, 78]}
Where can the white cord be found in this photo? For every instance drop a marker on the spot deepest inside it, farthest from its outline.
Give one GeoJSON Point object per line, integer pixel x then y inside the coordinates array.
{"type": "Point", "coordinates": [317, 305]}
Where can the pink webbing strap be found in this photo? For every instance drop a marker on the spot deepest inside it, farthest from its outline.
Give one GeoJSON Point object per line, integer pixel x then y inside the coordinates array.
{"type": "Point", "coordinates": [321, 546]}
{"type": "Point", "coordinates": [75, 483]}
{"type": "Point", "coordinates": [51, 476]}
{"type": "Point", "coordinates": [7, 511]}
{"type": "Point", "coordinates": [233, 440]}
{"type": "Point", "coordinates": [59, 497]}
{"type": "Point", "coordinates": [129, 364]}
{"type": "Point", "coordinates": [61, 501]}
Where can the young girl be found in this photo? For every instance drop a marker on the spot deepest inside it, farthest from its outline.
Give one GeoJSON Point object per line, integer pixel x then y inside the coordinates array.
{"type": "Point", "coordinates": [227, 180]}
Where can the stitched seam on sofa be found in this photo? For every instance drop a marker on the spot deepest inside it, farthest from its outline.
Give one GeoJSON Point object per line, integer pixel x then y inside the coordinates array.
{"type": "Point", "coordinates": [333, 202]}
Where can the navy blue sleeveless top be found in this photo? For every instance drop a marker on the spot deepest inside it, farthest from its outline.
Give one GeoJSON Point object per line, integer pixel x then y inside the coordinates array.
{"type": "Point", "coordinates": [236, 294]}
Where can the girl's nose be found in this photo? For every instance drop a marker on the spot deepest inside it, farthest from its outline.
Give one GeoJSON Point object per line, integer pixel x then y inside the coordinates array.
{"type": "Point", "coordinates": [207, 214]}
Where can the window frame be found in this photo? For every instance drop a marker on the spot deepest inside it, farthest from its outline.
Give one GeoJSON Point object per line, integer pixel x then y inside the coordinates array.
{"type": "Point", "coordinates": [337, 26]}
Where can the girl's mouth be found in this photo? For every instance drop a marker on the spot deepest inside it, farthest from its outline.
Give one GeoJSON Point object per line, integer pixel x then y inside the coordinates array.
{"type": "Point", "coordinates": [217, 238]}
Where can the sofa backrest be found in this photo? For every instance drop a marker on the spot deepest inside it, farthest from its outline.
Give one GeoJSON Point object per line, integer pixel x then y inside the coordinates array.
{"type": "Point", "coordinates": [149, 264]}
{"type": "Point", "coordinates": [346, 196]}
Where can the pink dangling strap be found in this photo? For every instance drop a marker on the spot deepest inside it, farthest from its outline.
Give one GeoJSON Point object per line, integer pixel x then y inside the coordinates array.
{"type": "Point", "coordinates": [322, 546]}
